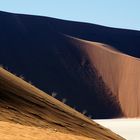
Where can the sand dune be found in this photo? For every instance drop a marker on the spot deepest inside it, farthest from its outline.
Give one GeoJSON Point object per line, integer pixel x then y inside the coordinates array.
{"type": "Point", "coordinates": [119, 71]}
{"type": "Point", "coordinates": [22, 103]}
{"type": "Point", "coordinates": [91, 77]}
{"type": "Point", "coordinates": [95, 69]}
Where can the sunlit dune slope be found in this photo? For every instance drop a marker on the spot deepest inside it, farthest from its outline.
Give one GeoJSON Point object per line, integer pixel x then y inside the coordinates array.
{"type": "Point", "coordinates": [22, 103]}
{"type": "Point", "coordinates": [120, 72]}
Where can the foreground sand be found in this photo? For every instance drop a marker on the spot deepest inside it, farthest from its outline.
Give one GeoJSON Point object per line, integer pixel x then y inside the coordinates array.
{"type": "Point", "coordinates": [22, 103]}
{"type": "Point", "coordinates": [12, 131]}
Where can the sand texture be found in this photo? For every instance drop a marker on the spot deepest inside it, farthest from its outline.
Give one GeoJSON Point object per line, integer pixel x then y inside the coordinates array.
{"type": "Point", "coordinates": [22, 103]}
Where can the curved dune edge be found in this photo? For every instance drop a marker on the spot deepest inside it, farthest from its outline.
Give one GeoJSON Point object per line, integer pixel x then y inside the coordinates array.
{"type": "Point", "coordinates": [119, 71]}
{"type": "Point", "coordinates": [22, 103]}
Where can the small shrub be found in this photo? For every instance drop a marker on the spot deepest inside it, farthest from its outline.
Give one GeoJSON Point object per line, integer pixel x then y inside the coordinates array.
{"type": "Point", "coordinates": [30, 83]}
{"type": "Point", "coordinates": [21, 76]}
{"type": "Point", "coordinates": [64, 100]}
{"type": "Point", "coordinates": [84, 112]}
{"type": "Point", "coordinates": [54, 94]}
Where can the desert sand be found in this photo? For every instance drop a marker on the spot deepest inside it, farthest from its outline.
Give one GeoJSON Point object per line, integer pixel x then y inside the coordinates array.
{"type": "Point", "coordinates": [22, 104]}
{"type": "Point", "coordinates": [13, 131]}
{"type": "Point", "coordinates": [95, 69]}
{"type": "Point", "coordinates": [91, 77]}
{"type": "Point", "coordinates": [119, 71]}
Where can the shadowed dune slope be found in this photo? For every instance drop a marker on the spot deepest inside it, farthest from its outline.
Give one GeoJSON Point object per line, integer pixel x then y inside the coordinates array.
{"type": "Point", "coordinates": [127, 41]}
{"type": "Point", "coordinates": [23, 104]}
{"type": "Point", "coordinates": [120, 72]}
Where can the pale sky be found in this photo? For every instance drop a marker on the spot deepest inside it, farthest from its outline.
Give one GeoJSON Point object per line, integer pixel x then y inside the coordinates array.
{"type": "Point", "coordinates": [114, 13]}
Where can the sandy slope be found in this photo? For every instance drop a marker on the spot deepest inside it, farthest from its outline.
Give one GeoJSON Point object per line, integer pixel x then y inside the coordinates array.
{"type": "Point", "coordinates": [12, 131]}
{"type": "Point", "coordinates": [24, 104]}
{"type": "Point", "coordinates": [120, 72]}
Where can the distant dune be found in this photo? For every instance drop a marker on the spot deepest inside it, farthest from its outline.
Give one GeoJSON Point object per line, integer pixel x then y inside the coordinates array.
{"type": "Point", "coordinates": [120, 72]}
{"type": "Point", "coordinates": [98, 79]}
{"type": "Point", "coordinates": [27, 112]}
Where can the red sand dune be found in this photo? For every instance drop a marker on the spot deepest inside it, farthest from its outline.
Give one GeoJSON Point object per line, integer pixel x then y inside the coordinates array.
{"type": "Point", "coordinates": [120, 72]}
